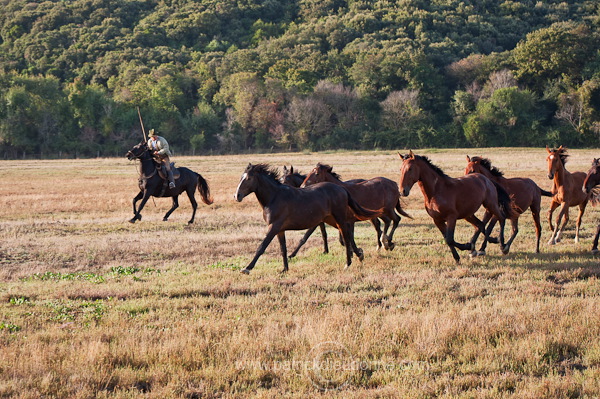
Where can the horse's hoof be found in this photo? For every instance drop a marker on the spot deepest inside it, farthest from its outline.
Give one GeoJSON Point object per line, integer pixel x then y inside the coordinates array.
{"type": "Point", "coordinates": [245, 271]}
{"type": "Point", "coordinates": [595, 251]}
{"type": "Point", "coordinates": [361, 254]}
{"type": "Point", "coordinates": [191, 222]}
{"type": "Point", "coordinates": [473, 254]}
{"type": "Point", "coordinates": [558, 240]}
{"type": "Point", "coordinates": [284, 270]}
{"type": "Point", "coordinates": [132, 220]}
{"type": "Point", "coordinates": [391, 246]}
{"type": "Point", "coordinates": [165, 219]}
{"type": "Point", "coordinates": [551, 242]}
{"type": "Point", "coordinates": [505, 251]}
{"type": "Point", "coordinates": [480, 253]}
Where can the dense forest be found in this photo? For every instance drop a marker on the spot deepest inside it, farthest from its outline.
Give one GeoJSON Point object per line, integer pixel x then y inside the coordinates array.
{"type": "Point", "coordinates": [222, 76]}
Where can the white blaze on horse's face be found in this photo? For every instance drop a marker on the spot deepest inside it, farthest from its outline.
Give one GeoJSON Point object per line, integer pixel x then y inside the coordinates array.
{"type": "Point", "coordinates": [239, 195]}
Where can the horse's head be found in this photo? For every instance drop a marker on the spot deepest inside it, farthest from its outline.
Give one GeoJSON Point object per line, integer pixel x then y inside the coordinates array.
{"type": "Point", "coordinates": [137, 151]}
{"type": "Point", "coordinates": [253, 178]}
{"type": "Point", "coordinates": [473, 165]}
{"type": "Point", "coordinates": [318, 174]}
{"type": "Point", "coordinates": [556, 160]}
{"type": "Point", "coordinates": [291, 178]}
{"type": "Point", "coordinates": [593, 176]}
{"type": "Point", "coordinates": [409, 173]}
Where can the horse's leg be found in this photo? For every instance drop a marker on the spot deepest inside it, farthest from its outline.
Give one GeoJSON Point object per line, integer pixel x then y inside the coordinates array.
{"type": "Point", "coordinates": [271, 233]}
{"type": "Point", "coordinates": [579, 217]}
{"type": "Point", "coordinates": [480, 228]}
{"type": "Point", "coordinates": [192, 197]}
{"type": "Point", "coordinates": [448, 236]}
{"type": "Point", "coordinates": [344, 229]}
{"type": "Point", "coordinates": [553, 206]}
{"type": "Point", "coordinates": [395, 221]}
{"type": "Point", "coordinates": [377, 225]}
{"type": "Point", "coordinates": [358, 251]}
{"type": "Point", "coordinates": [324, 235]}
{"type": "Point", "coordinates": [135, 200]}
{"type": "Point", "coordinates": [535, 213]}
{"type": "Point", "coordinates": [515, 230]}
{"type": "Point", "coordinates": [595, 245]}
{"type": "Point", "coordinates": [137, 215]}
{"type": "Point", "coordinates": [304, 239]}
{"type": "Point", "coordinates": [564, 215]}
{"type": "Point", "coordinates": [281, 237]}
{"type": "Point", "coordinates": [173, 207]}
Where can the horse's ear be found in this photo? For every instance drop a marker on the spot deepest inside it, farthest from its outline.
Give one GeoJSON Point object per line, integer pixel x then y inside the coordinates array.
{"type": "Point", "coordinates": [291, 169]}
{"type": "Point", "coordinates": [548, 149]}
{"type": "Point", "coordinates": [411, 154]}
{"type": "Point", "coordinates": [468, 158]}
{"type": "Point", "coordinates": [401, 156]}
{"type": "Point", "coordinates": [595, 161]}
{"type": "Point", "coordinates": [284, 169]}
{"type": "Point", "coordinates": [330, 169]}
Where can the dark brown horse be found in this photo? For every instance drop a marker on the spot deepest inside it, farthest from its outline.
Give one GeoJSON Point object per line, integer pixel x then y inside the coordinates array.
{"type": "Point", "coordinates": [290, 208]}
{"type": "Point", "coordinates": [567, 192]}
{"type": "Point", "coordinates": [378, 193]}
{"type": "Point", "coordinates": [525, 193]}
{"type": "Point", "coordinates": [294, 179]}
{"type": "Point", "coordinates": [449, 199]}
{"type": "Point", "coordinates": [151, 184]}
{"type": "Point", "coordinates": [591, 181]}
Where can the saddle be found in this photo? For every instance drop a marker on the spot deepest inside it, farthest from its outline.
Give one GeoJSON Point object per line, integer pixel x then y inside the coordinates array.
{"type": "Point", "coordinates": [163, 173]}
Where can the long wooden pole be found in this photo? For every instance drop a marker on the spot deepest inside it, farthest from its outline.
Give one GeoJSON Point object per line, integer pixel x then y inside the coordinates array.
{"type": "Point", "coordinates": [142, 123]}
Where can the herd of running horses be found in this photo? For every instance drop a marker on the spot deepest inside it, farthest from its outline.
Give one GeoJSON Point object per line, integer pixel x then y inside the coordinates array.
{"type": "Point", "coordinates": [292, 201]}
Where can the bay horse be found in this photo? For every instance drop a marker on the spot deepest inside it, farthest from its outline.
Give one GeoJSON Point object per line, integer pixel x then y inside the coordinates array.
{"type": "Point", "coordinates": [291, 208]}
{"type": "Point", "coordinates": [591, 181]}
{"type": "Point", "coordinates": [449, 199]}
{"type": "Point", "coordinates": [294, 179]}
{"type": "Point", "coordinates": [567, 192]}
{"type": "Point", "coordinates": [377, 193]}
{"type": "Point", "coordinates": [525, 193]}
{"type": "Point", "coordinates": [152, 184]}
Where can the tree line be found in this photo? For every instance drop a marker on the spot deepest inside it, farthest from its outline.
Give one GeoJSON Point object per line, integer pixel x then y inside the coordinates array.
{"type": "Point", "coordinates": [226, 76]}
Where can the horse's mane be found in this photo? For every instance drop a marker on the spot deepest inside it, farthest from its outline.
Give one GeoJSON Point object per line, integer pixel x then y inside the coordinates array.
{"type": "Point", "coordinates": [264, 169]}
{"type": "Point", "coordinates": [486, 163]}
{"type": "Point", "coordinates": [562, 153]}
{"type": "Point", "coordinates": [436, 168]}
{"type": "Point", "coordinates": [329, 169]}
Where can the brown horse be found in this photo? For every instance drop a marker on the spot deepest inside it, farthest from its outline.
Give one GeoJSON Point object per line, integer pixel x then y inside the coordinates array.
{"type": "Point", "coordinates": [377, 193]}
{"type": "Point", "coordinates": [449, 199]}
{"type": "Point", "coordinates": [567, 192]}
{"type": "Point", "coordinates": [290, 208]}
{"type": "Point", "coordinates": [294, 179]}
{"type": "Point", "coordinates": [525, 193]}
{"type": "Point", "coordinates": [591, 181]}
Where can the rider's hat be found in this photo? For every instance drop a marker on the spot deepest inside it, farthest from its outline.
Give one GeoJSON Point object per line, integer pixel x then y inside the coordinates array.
{"type": "Point", "coordinates": [151, 133]}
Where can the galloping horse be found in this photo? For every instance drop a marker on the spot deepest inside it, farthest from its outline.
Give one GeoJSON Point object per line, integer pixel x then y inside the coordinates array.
{"type": "Point", "coordinates": [377, 193]}
{"type": "Point", "coordinates": [290, 208]}
{"type": "Point", "coordinates": [294, 179]}
{"type": "Point", "coordinates": [448, 199]}
{"type": "Point", "coordinates": [525, 193]}
{"type": "Point", "coordinates": [151, 184]}
{"type": "Point", "coordinates": [592, 180]}
{"type": "Point", "coordinates": [567, 192]}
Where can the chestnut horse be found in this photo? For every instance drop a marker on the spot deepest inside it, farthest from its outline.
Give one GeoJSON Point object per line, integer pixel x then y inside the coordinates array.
{"type": "Point", "coordinates": [592, 180]}
{"type": "Point", "coordinates": [449, 199]}
{"type": "Point", "coordinates": [290, 208]}
{"type": "Point", "coordinates": [567, 192]}
{"type": "Point", "coordinates": [525, 193]}
{"type": "Point", "coordinates": [377, 193]}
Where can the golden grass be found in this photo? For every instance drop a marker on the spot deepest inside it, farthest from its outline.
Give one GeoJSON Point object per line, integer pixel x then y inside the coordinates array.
{"type": "Point", "coordinates": [94, 307]}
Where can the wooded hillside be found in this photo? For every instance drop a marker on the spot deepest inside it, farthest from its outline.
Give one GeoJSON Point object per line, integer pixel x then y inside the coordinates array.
{"type": "Point", "coordinates": [231, 75]}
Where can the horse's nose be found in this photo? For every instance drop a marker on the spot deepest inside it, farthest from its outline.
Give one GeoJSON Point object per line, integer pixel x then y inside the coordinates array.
{"type": "Point", "coordinates": [405, 191]}
{"type": "Point", "coordinates": [550, 176]}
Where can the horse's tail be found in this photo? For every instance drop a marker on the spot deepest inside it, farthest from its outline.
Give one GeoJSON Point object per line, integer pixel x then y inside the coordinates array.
{"type": "Point", "coordinates": [546, 193]}
{"type": "Point", "coordinates": [401, 211]}
{"type": "Point", "coordinates": [507, 205]}
{"type": "Point", "coordinates": [204, 190]}
{"type": "Point", "coordinates": [360, 212]}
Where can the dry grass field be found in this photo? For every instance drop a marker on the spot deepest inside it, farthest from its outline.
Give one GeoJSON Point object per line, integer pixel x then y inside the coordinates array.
{"type": "Point", "coordinates": [92, 306]}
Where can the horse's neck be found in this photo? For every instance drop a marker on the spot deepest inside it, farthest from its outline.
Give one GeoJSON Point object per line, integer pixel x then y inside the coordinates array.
{"type": "Point", "coordinates": [148, 166]}
{"type": "Point", "coordinates": [430, 181]}
{"type": "Point", "coordinates": [266, 190]}
{"type": "Point", "coordinates": [498, 179]}
{"type": "Point", "coordinates": [561, 176]}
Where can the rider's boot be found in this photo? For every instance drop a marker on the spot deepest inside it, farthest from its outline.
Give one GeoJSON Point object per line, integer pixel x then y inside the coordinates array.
{"type": "Point", "coordinates": [171, 179]}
